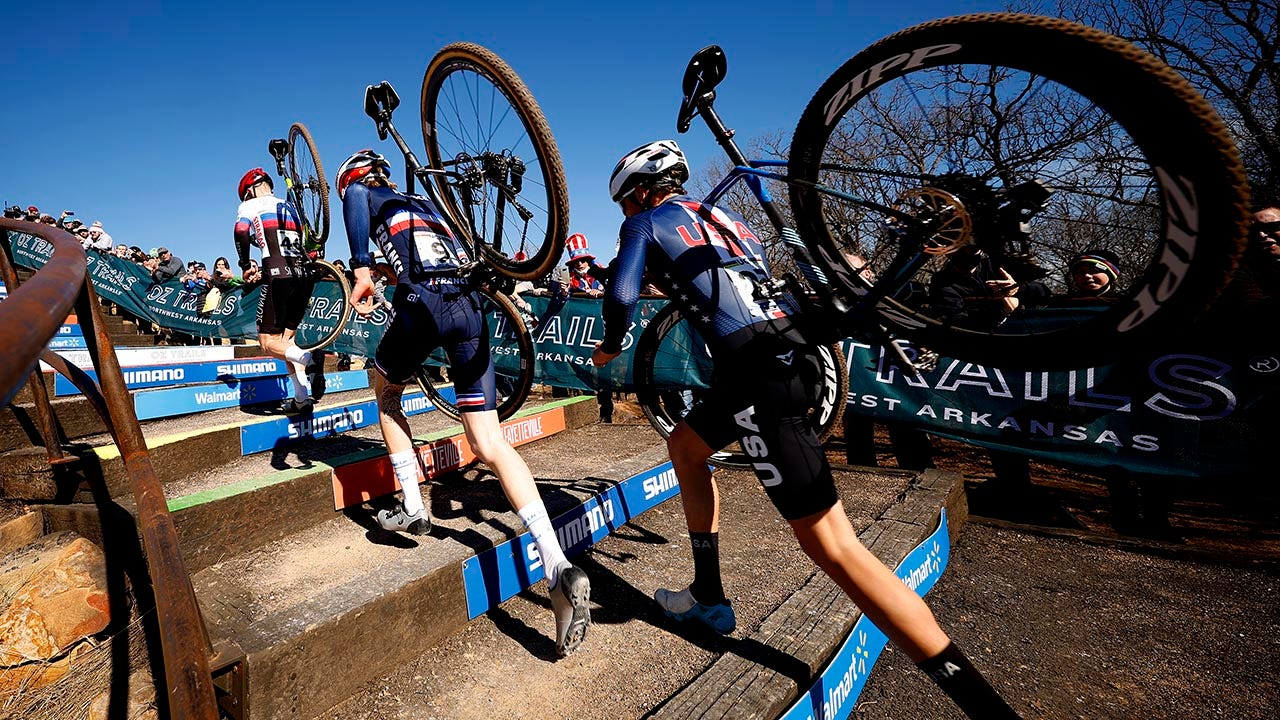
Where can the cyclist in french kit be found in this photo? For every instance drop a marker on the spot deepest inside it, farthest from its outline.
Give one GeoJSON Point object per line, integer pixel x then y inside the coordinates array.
{"type": "Point", "coordinates": [272, 224]}
{"type": "Point", "coordinates": [709, 262]}
{"type": "Point", "coordinates": [433, 307]}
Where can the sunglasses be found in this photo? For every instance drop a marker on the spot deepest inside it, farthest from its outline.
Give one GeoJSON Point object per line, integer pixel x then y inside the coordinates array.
{"type": "Point", "coordinates": [1267, 228]}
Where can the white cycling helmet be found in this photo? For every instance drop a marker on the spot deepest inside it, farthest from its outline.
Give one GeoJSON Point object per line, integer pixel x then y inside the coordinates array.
{"type": "Point", "coordinates": [645, 163]}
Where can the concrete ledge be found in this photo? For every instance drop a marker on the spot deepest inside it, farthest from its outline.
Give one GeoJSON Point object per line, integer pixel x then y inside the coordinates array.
{"type": "Point", "coordinates": [216, 524]}
{"type": "Point", "coordinates": [812, 624]}
{"type": "Point", "coordinates": [299, 650]}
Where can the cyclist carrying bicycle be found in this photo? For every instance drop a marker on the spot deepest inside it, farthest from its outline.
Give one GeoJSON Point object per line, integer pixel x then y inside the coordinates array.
{"type": "Point", "coordinates": [710, 262]}
{"type": "Point", "coordinates": [435, 307]}
{"type": "Point", "coordinates": [272, 225]}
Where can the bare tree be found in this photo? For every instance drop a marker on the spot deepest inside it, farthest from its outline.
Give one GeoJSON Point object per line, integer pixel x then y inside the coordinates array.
{"type": "Point", "coordinates": [1227, 49]}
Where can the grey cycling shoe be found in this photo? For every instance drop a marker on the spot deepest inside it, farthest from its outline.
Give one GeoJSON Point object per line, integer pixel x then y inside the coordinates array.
{"type": "Point", "coordinates": [397, 520]}
{"type": "Point", "coordinates": [570, 599]}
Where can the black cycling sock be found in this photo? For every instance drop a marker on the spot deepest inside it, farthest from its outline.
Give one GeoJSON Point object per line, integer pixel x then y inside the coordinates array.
{"type": "Point", "coordinates": [707, 588]}
{"type": "Point", "coordinates": [962, 682]}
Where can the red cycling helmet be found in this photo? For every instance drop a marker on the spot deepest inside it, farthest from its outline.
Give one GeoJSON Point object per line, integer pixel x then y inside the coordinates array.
{"type": "Point", "coordinates": [251, 178]}
{"type": "Point", "coordinates": [360, 164]}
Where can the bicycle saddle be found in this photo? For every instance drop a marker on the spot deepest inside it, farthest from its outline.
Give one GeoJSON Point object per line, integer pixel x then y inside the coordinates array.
{"type": "Point", "coordinates": [706, 69]}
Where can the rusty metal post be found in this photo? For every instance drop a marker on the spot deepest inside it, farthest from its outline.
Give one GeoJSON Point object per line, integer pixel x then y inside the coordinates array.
{"type": "Point", "coordinates": [28, 319]}
{"type": "Point", "coordinates": [183, 635]}
{"type": "Point", "coordinates": [42, 408]}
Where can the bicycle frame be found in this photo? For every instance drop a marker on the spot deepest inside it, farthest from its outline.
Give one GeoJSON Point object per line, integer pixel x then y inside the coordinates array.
{"type": "Point", "coordinates": [705, 70]}
{"type": "Point", "coordinates": [379, 104]}
{"type": "Point", "coordinates": [279, 149]}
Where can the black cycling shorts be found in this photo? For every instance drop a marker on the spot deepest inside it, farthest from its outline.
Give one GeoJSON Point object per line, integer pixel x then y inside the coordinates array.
{"type": "Point", "coordinates": [284, 304]}
{"type": "Point", "coordinates": [427, 317]}
{"type": "Point", "coordinates": [761, 396]}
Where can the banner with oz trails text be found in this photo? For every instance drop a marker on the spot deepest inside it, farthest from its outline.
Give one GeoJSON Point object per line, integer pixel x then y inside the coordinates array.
{"type": "Point", "coordinates": [565, 334]}
{"type": "Point", "coordinates": [1199, 413]}
{"type": "Point", "coordinates": [170, 305]}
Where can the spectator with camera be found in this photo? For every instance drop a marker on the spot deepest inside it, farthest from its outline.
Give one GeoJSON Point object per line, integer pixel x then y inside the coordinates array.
{"type": "Point", "coordinates": [168, 267]}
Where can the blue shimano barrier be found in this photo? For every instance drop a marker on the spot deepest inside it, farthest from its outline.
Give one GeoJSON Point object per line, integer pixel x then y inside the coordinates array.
{"type": "Point", "coordinates": [512, 567]}
{"type": "Point", "coordinates": [268, 435]}
{"type": "Point", "coordinates": [835, 693]}
{"type": "Point", "coordinates": [151, 376]}
{"type": "Point", "coordinates": [151, 404]}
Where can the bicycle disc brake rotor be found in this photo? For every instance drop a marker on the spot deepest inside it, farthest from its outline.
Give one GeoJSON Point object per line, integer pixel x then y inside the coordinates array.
{"type": "Point", "coordinates": [950, 224]}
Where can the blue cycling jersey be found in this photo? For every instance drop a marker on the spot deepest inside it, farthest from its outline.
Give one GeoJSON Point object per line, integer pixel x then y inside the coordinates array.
{"type": "Point", "coordinates": [409, 230]}
{"type": "Point", "coordinates": [704, 258]}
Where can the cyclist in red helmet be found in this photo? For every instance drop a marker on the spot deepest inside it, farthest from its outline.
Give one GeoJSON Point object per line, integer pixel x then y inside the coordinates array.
{"type": "Point", "coordinates": [273, 225]}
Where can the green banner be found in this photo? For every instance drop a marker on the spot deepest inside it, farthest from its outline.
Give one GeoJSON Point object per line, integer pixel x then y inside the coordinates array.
{"type": "Point", "coordinates": [1199, 413]}
{"type": "Point", "coordinates": [565, 333]}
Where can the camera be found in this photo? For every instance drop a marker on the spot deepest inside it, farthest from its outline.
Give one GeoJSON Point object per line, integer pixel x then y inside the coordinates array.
{"type": "Point", "coordinates": [13, 212]}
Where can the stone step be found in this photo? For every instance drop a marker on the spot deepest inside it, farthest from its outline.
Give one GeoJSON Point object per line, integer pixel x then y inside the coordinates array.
{"type": "Point", "coordinates": [318, 612]}
{"type": "Point", "coordinates": [74, 414]}
{"type": "Point", "coordinates": [219, 437]}
{"type": "Point", "coordinates": [218, 508]}
{"type": "Point", "coordinates": [638, 663]}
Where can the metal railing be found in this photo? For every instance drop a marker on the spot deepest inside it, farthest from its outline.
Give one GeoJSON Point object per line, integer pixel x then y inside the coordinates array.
{"type": "Point", "coordinates": [29, 319]}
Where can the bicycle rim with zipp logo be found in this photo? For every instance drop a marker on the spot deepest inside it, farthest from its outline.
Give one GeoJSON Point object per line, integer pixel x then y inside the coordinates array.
{"type": "Point", "coordinates": [1049, 139]}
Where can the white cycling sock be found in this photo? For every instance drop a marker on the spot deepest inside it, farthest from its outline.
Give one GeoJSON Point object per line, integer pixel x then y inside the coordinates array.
{"type": "Point", "coordinates": [301, 388]}
{"type": "Point", "coordinates": [405, 464]}
{"type": "Point", "coordinates": [295, 354]}
{"type": "Point", "coordinates": [534, 517]}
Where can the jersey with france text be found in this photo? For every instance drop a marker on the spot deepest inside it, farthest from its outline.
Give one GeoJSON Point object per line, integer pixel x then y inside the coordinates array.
{"type": "Point", "coordinates": [410, 231]}
{"type": "Point", "coordinates": [273, 226]}
{"type": "Point", "coordinates": [704, 258]}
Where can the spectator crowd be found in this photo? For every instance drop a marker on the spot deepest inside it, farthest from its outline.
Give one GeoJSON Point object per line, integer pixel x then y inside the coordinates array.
{"type": "Point", "coordinates": [159, 262]}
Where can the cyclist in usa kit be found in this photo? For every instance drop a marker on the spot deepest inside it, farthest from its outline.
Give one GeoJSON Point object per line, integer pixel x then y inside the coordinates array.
{"type": "Point", "coordinates": [272, 225]}
{"type": "Point", "coordinates": [433, 307]}
{"type": "Point", "coordinates": [709, 261]}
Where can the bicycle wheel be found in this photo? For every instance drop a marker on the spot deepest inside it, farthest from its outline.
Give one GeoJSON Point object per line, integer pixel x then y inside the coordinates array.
{"type": "Point", "coordinates": [506, 183]}
{"type": "Point", "coordinates": [672, 363]}
{"type": "Point", "coordinates": [329, 309]}
{"type": "Point", "coordinates": [947, 136]}
{"type": "Point", "coordinates": [307, 175]}
{"type": "Point", "coordinates": [511, 347]}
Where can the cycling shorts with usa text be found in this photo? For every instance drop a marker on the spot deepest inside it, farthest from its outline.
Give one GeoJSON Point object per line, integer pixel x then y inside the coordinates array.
{"type": "Point", "coordinates": [427, 317]}
{"type": "Point", "coordinates": [761, 396]}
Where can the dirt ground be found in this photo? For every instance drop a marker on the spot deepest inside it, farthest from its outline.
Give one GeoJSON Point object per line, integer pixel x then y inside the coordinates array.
{"type": "Point", "coordinates": [1067, 617]}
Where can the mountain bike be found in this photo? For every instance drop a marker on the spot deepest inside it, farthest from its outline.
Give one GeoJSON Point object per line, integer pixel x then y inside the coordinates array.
{"type": "Point", "coordinates": [298, 163]}
{"type": "Point", "coordinates": [970, 139]}
{"type": "Point", "coordinates": [494, 172]}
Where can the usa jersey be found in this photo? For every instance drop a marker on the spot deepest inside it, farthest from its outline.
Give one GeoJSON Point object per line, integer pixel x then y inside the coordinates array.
{"type": "Point", "coordinates": [409, 230]}
{"type": "Point", "coordinates": [705, 259]}
{"type": "Point", "coordinates": [272, 225]}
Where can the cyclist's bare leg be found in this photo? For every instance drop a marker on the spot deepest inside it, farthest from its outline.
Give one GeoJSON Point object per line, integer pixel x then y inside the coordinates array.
{"type": "Point", "coordinates": [395, 432]}
{"type": "Point", "coordinates": [282, 347]}
{"type": "Point", "coordinates": [484, 433]}
{"type": "Point", "coordinates": [829, 540]}
{"type": "Point", "coordinates": [701, 498]}
{"type": "Point", "coordinates": [698, 490]}
{"type": "Point", "coordinates": [570, 598]}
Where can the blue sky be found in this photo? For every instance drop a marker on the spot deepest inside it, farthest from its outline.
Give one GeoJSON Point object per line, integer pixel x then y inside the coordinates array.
{"type": "Point", "coordinates": [145, 114]}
